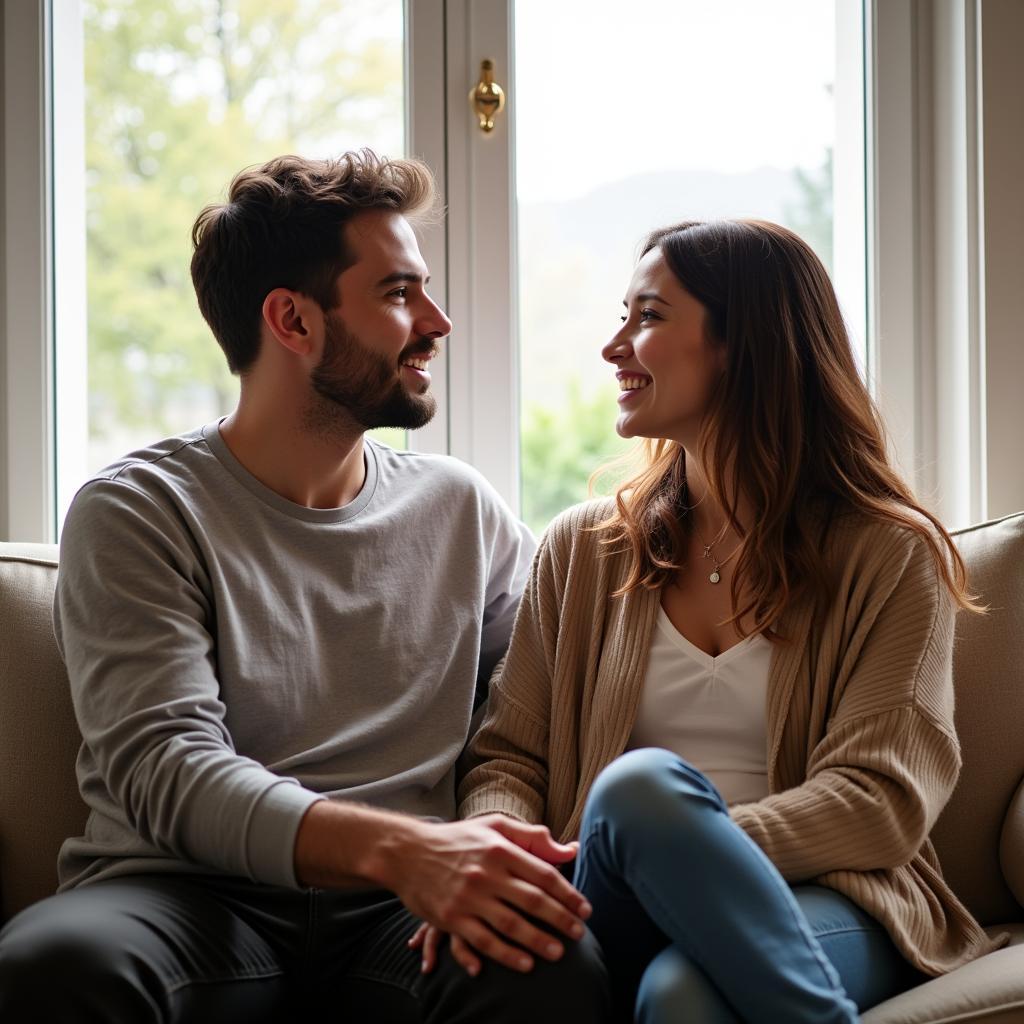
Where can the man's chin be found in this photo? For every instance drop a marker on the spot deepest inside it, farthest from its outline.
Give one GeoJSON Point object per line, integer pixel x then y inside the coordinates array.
{"type": "Point", "coordinates": [416, 413]}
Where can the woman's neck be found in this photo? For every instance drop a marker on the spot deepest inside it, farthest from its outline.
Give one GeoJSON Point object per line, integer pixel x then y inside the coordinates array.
{"type": "Point", "coordinates": [707, 513]}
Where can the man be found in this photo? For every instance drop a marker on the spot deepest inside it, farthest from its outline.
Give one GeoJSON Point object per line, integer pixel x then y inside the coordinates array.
{"type": "Point", "coordinates": [272, 611]}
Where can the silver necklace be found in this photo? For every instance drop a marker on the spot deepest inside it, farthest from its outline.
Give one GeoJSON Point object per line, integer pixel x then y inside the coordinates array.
{"type": "Point", "coordinates": [715, 575]}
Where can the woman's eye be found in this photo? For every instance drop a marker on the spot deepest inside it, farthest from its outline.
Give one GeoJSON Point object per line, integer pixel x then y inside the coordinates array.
{"type": "Point", "coordinates": [647, 314]}
{"type": "Point", "coordinates": [623, 318]}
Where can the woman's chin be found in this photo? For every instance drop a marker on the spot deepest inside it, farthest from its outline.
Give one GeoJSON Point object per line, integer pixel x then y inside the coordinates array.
{"type": "Point", "coordinates": [623, 428]}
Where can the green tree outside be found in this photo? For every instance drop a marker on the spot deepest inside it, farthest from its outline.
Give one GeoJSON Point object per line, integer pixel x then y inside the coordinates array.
{"type": "Point", "coordinates": [180, 96]}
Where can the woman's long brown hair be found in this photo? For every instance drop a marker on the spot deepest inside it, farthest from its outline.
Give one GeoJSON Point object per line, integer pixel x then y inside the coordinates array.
{"type": "Point", "coordinates": [790, 426]}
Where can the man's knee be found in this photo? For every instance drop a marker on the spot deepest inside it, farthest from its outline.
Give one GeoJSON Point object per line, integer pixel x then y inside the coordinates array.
{"type": "Point", "coordinates": [58, 967]}
{"type": "Point", "coordinates": [572, 988]}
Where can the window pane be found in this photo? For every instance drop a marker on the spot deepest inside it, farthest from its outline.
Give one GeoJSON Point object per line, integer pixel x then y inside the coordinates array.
{"type": "Point", "coordinates": [682, 110]}
{"type": "Point", "coordinates": [179, 96]}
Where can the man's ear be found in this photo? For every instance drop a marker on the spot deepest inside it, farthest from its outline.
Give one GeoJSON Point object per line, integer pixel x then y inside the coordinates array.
{"type": "Point", "coordinates": [291, 318]}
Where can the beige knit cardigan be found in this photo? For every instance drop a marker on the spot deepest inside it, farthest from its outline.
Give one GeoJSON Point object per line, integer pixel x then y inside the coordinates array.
{"type": "Point", "coordinates": [862, 753]}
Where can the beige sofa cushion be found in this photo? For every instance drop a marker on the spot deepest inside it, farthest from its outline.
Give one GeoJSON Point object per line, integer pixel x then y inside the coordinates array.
{"type": "Point", "coordinates": [989, 671]}
{"type": "Point", "coordinates": [989, 991]}
{"type": "Point", "coordinates": [39, 801]}
{"type": "Point", "coordinates": [1011, 847]}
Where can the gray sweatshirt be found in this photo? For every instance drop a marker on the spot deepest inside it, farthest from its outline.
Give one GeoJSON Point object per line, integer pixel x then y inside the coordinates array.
{"type": "Point", "coordinates": [235, 657]}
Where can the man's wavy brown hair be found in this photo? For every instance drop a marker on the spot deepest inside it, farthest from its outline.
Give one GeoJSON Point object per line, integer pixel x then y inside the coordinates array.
{"type": "Point", "coordinates": [790, 425]}
{"type": "Point", "coordinates": [283, 226]}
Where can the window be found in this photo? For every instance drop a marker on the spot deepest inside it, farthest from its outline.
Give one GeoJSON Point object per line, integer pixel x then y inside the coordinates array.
{"type": "Point", "coordinates": [93, 365]}
{"type": "Point", "coordinates": [684, 110]}
{"type": "Point", "coordinates": [178, 97]}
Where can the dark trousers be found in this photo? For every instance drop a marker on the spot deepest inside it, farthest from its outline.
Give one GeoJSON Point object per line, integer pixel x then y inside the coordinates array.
{"type": "Point", "coordinates": [183, 948]}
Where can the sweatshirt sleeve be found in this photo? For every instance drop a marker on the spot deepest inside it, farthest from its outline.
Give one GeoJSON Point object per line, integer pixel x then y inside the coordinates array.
{"type": "Point", "coordinates": [135, 627]}
{"type": "Point", "coordinates": [511, 547]}
{"type": "Point", "coordinates": [889, 760]}
{"type": "Point", "coordinates": [505, 766]}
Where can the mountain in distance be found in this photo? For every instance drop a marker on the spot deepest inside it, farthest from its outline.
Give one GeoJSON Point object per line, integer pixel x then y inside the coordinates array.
{"type": "Point", "coordinates": [617, 216]}
{"type": "Point", "coordinates": [576, 257]}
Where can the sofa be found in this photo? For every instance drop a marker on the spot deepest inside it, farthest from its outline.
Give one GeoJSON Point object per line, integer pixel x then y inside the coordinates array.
{"type": "Point", "coordinates": [979, 837]}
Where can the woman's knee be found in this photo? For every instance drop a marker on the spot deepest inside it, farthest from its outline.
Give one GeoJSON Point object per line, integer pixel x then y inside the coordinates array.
{"type": "Point", "coordinates": [644, 785]}
{"type": "Point", "coordinates": [674, 988]}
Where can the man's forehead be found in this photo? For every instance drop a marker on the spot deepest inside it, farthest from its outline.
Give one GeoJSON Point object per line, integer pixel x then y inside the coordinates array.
{"type": "Point", "coordinates": [383, 239]}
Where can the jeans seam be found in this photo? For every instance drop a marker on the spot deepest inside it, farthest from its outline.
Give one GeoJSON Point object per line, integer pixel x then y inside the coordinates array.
{"type": "Point", "coordinates": [826, 966]}
{"type": "Point", "coordinates": [617, 883]}
{"type": "Point", "coordinates": [366, 974]}
{"type": "Point", "coordinates": [256, 974]}
{"type": "Point", "coordinates": [849, 930]}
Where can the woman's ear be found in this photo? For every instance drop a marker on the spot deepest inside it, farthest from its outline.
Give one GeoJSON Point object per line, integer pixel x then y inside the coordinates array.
{"type": "Point", "coordinates": [292, 320]}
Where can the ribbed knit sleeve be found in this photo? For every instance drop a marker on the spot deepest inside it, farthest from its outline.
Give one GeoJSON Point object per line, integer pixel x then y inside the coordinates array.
{"type": "Point", "coordinates": [888, 761]}
{"type": "Point", "coordinates": [505, 767]}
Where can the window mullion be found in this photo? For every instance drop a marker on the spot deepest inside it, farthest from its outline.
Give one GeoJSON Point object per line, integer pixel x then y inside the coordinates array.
{"type": "Point", "coordinates": [26, 464]}
{"type": "Point", "coordinates": [426, 138]}
{"type": "Point", "coordinates": [483, 360]}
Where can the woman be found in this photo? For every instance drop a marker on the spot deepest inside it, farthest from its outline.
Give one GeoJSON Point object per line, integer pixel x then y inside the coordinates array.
{"type": "Point", "coordinates": [762, 620]}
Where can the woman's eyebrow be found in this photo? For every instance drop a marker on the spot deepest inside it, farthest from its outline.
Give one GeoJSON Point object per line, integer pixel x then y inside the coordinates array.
{"type": "Point", "coordinates": [648, 297]}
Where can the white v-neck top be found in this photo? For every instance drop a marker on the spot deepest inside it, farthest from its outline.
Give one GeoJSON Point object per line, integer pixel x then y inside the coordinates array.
{"type": "Point", "coordinates": [709, 711]}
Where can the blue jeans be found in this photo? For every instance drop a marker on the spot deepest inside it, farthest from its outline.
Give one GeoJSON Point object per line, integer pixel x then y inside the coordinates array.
{"type": "Point", "coordinates": [698, 925]}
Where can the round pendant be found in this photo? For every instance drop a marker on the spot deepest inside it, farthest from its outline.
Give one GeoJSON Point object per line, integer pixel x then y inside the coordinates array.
{"type": "Point", "coordinates": [715, 576]}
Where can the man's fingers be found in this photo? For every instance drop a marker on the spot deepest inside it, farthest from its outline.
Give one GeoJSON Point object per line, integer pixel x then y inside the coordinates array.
{"type": "Point", "coordinates": [535, 839]}
{"type": "Point", "coordinates": [510, 923]}
{"type": "Point", "coordinates": [538, 904]}
{"type": "Point", "coordinates": [486, 942]}
{"type": "Point", "coordinates": [545, 877]}
{"type": "Point", "coordinates": [430, 945]}
{"type": "Point", "coordinates": [419, 935]}
{"type": "Point", "coordinates": [464, 956]}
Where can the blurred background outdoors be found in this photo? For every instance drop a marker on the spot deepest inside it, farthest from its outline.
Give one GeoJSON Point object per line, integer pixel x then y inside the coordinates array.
{"type": "Point", "coordinates": [686, 109]}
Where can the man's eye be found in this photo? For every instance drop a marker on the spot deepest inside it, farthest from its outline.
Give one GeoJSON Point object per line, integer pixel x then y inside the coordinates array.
{"type": "Point", "coordinates": [398, 293]}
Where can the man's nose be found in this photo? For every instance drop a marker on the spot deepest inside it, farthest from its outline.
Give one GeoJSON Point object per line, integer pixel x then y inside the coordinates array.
{"type": "Point", "coordinates": [435, 322]}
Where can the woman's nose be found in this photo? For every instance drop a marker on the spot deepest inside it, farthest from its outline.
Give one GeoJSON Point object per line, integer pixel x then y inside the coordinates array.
{"type": "Point", "coordinates": [616, 348]}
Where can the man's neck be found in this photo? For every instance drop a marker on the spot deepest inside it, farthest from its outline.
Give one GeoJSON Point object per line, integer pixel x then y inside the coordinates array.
{"type": "Point", "coordinates": [306, 468]}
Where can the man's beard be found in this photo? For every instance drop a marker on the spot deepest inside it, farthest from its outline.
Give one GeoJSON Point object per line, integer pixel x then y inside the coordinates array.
{"type": "Point", "coordinates": [351, 379]}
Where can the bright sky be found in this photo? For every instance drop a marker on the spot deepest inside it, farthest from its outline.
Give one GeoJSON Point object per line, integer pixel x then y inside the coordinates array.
{"type": "Point", "coordinates": [606, 89]}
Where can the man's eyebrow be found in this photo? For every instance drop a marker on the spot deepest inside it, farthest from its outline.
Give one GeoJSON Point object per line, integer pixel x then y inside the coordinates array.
{"type": "Point", "coordinates": [648, 297]}
{"type": "Point", "coordinates": [406, 276]}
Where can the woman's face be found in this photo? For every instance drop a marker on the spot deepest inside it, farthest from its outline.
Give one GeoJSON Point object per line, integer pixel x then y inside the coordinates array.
{"type": "Point", "coordinates": [665, 364]}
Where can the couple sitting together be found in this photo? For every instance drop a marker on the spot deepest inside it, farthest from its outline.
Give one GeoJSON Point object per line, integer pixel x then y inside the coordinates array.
{"type": "Point", "coordinates": [355, 749]}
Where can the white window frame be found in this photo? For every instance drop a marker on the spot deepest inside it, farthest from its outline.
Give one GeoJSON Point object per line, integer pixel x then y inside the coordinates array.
{"type": "Point", "coordinates": [480, 411]}
{"type": "Point", "coordinates": [26, 463]}
{"type": "Point", "coordinates": [944, 162]}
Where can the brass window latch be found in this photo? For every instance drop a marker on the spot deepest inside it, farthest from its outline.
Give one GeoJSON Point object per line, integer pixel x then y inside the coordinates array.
{"type": "Point", "coordinates": [487, 98]}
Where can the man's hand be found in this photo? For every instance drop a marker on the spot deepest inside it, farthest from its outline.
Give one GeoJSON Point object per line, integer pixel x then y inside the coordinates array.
{"type": "Point", "coordinates": [478, 880]}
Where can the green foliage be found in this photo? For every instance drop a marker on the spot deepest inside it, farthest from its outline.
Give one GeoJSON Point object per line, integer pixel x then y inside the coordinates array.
{"type": "Point", "coordinates": [180, 96]}
{"type": "Point", "coordinates": [811, 216]}
{"type": "Point", "coordinates": [562, 446]}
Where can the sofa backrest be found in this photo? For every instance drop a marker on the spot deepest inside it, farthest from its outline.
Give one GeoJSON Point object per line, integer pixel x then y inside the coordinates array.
{"type": "Point", "coordinates": [988, 666]}
{"type": "Point", "coordinates": [39, 801]}
{"type": "Point", "coordinates": [40, 805]}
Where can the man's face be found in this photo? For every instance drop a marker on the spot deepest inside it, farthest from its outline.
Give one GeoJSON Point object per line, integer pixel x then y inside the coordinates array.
{"type": "Point", "coordinates": [379, 340]}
